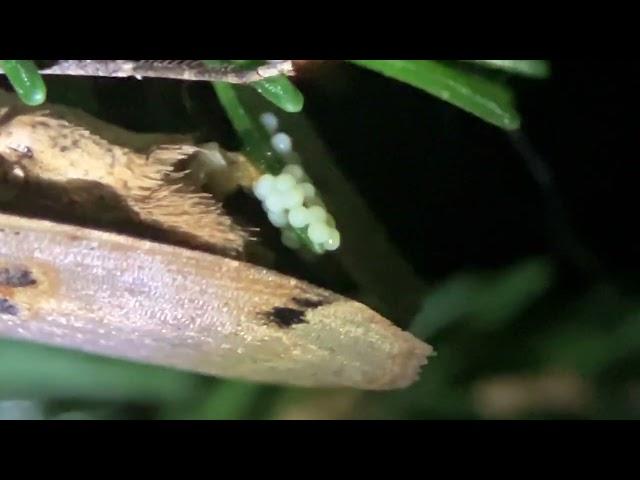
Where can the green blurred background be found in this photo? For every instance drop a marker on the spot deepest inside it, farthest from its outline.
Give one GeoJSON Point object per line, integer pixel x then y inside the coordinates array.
{"type": "Point", "coordinates": [525, 267]}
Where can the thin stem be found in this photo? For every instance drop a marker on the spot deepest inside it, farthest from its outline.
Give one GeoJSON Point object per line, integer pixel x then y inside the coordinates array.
{"type": "Point", "coordinates": [566, 238]}
{"type": "Point", "coordinates": [192, 70]}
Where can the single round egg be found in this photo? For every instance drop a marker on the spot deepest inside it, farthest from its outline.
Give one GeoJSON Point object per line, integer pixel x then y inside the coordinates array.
{"type": "Point", "coordinates": [269, 121]}
{"type": "Point", "coordinates": [318, 232]}
{"type": "Point", "coordinates": [293, 198]}
{"type": "Point", "coordinates": [278, 218]}
{"type": "Point", "coordinates": [281, 143]}
{"type": "Point", "coordinates": [317, 214]}
{"type": "Point", "coordinates": [275, 202]}
{"type": "Point", "coordinates": [333, 242]}
{"type": "Point", "coordinates": [264, 186]}
{"type": "Point", "coordinates": [284, 182]}
{"type": "Point", "coordinates": [299, 217]}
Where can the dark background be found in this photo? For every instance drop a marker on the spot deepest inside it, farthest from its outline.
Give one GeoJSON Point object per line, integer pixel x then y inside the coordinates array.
{"type": "Point", "coordinates": [465, 188]}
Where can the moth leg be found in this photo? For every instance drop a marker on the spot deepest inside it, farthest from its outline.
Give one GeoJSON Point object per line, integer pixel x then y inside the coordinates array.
{"type": "Point", "coordinates": [220, 171]}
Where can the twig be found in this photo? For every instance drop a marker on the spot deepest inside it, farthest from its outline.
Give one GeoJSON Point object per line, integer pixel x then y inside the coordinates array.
{"type": "Point", "coordinates": [192, 70]}
{"type": "Point", "coordinates": [566, 237]}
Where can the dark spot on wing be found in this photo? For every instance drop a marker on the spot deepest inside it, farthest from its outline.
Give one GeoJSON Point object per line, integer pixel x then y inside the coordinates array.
{"type": "Point", "coordinates": [285, 317]}
{"type": "Point", "coordinates": [16, 277]}
{"type": "Point", "coordinates": [8, 308]}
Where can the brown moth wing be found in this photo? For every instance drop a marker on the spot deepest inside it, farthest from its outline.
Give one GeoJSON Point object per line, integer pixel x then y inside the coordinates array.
{"type": "Point", "coordinates": [123, 297]}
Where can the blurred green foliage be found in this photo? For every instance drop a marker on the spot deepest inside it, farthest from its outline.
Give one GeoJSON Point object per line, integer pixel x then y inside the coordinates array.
{"type": "Point", "coordinates": [480, 96]}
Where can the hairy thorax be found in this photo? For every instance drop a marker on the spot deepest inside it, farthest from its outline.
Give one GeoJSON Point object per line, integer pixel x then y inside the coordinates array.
{"type": "Point", "coordinates": [82, 171]}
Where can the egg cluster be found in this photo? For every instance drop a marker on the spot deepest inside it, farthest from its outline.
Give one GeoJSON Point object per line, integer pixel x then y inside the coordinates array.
{"type": "Point", "coordinates": [291, 201]}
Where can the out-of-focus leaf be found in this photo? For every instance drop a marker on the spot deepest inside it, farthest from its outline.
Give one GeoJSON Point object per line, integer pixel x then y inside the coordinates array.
{"type": "Point", "coordinates": [435, 395]}
{"type": "Point", "coordinates": [626, 339]}
{"type": "Point", "coordinates": [504, 295]}
{"type": "Point", "coordinates": [445, 304]}
{"type": "Point", "coordinates": [36, 371]}
{"type": "Point", "coordinates": [21, 410]}
{"type": "Point", "coordinates": [487, 300]}
{"type": "Point", "coordinates": [226, 400]}
{"type": "Point", "coordinates": [527, 68]}
{"type": "Point", "coordinates": [583, 341]}
{"type": "Point", "coordinates": [487, 99]}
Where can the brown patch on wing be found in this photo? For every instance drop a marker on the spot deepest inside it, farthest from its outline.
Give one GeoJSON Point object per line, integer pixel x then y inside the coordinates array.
{"type": "Point", "coordinates": [16, 276]}
{"type": "Point", "coordinates": [26, 286]}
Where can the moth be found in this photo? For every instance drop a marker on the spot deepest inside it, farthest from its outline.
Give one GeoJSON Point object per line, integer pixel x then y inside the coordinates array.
{"type": "Point", "coordinates": [203, 311]}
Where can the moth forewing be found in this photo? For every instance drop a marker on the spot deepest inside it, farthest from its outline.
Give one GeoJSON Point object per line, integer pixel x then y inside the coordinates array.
{"type": "Point", "coordinates": [123, 297]}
